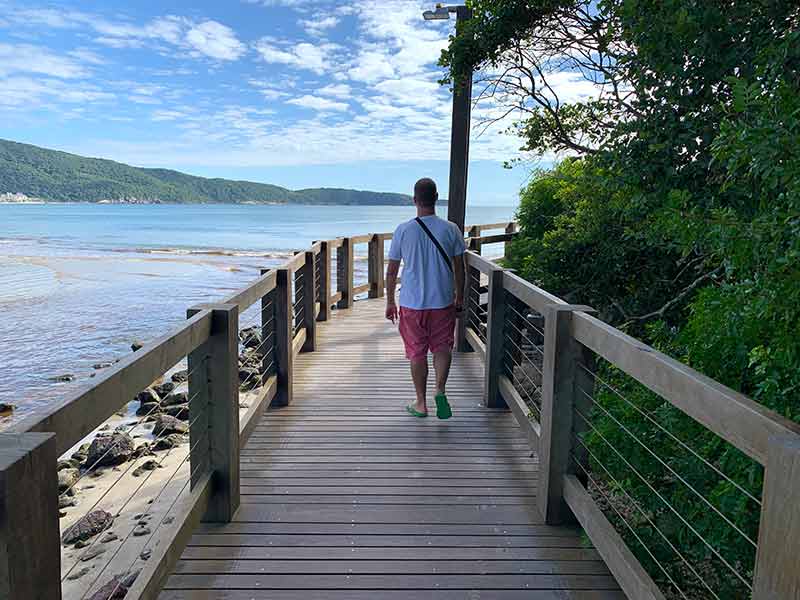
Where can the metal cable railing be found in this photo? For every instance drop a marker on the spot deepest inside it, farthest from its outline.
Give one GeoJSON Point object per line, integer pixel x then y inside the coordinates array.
{"type": "Point", "coordinates": [523, 352]}
{"type": "Point", "coordinates": [684, 499]}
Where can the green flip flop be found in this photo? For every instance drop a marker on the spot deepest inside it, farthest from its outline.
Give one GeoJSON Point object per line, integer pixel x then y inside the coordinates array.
{"type": "Point", "coordinates": [443, 407]}
{"type": "Point", "coordinates": [415, 413]}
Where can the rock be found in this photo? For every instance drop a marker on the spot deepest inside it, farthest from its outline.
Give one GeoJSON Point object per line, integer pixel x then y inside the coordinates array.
{"type": "Point", "coordinates": [67, 478]}
{"type": "Point", "coordinates": [109, 450]}
{"type": "Point", "coordinates": [91, 553]}
{"type": "Point", "coordinates": [179, 411]}
{"type": "Point", "coordinates": [78, 574]}
{"type": "Point", "coordinates": [163, 390]}
{"type": "Point", "coordinates": [80, 454]}
{"type": "Point", "coordinates": [142, 450]}
{"type": "Point", "coordinates": [141, 530]}
{"type": "Point", "coordinates": [148, 465]}
{"type": "Point", "coordinates": [251, 336]}
{"type": "Point", "coordinates": [109, 537]}
{"type": "Point", "coordinates": [102, 365]}
{"type": "Point", "coordinates": [148, 408]}
{"type": "Point", "coordinates": [68, 464]}
{"type": "Point", "coordinates": [170, 441]}
{"type": "Point", "coordinates": [6, 409]}
{"type": "Point", "coordinates": [148, 395]}
{"type": "Point", "coordinates": [137, 345]}
{"type": "Point", "coordinates": [66, 502]}
{"type": "Point", "coordinates": [62, 378]}
{"type": "Point", "coordinates": [88, 526]}
{"type": "Point", "coordinates": [180, 376]}
{"type": "Point", "coordinates": [116, 588]}
{"type": "Point", "coordinates": [249, 378]}
{"type": "Point", "coordinates": [166, 425]}
{"type": "Point", "coordinates": [175, 398]}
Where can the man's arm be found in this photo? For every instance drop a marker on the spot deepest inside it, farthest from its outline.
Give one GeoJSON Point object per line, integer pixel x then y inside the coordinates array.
{"type": "Point", "coordinates": [458, 272]}
{"type": "Point", "coordinates": [391, 285]}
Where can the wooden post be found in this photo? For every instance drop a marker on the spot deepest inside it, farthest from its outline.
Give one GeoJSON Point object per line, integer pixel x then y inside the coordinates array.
{"type": "Point", "coordinates": [510, 228]}
{"type": "Point", "coordinates": [30, 544]}
{"type": "Point", "coordinates": [223, 413]}
{"type": "Point", "coordinates": [344, 268]}
{"type": "Point", "coordinates": [200, 399]}
{"type": "Point", "coordinates": [560, 396]}
{"type": "Point", "coordinates": [376, 282]}
{"type": "Point", "coordinates": [267, 334]}
{"type": "Point", "coordinates": [324, 282]}
{"type": "Point", "coordinates": [299, 278]}
{"type": "Point", "coordinates": [309, 301]}
{"type": "Point", "coordinates": [474, 242]}
{"type": "Point", "coordinates": [494, 340]}
{"type": "Point", "coordinates": [283, 337]}
{"type": "Point", "coordinates": [777, 576]}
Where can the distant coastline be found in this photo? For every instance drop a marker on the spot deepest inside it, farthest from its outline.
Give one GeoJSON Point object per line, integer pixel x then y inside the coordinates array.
{"type": "Point", "coordinates": [30, 174]}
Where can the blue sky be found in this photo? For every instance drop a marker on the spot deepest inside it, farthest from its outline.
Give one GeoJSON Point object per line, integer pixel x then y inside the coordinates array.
{"type": "Point", "coordinates": [298, 93]}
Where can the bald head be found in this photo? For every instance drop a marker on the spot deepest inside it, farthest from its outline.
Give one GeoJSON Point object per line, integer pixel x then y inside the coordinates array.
{"type": "Point", "coordinates": [425, 193]}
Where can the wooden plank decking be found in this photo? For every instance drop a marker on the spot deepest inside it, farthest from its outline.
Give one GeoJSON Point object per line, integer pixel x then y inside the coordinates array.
{"type": "Point", "coordinates": [344, 496]}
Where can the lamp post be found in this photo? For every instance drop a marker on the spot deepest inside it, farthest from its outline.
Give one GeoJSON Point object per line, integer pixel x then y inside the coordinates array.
{"type": "Point", "coordinates": [459, 135]}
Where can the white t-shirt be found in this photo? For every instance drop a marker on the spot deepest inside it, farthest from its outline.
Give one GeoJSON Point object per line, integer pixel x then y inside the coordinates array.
{"type": "Point", "coordinates": [427, 282]}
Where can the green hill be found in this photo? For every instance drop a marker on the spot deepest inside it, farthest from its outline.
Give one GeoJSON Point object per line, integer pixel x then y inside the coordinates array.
{"type": "Point", "coordinates": [61, 177]}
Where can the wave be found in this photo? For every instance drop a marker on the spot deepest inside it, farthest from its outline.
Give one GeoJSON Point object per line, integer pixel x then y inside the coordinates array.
{"type": "Point", "coordinates": [211, 252]}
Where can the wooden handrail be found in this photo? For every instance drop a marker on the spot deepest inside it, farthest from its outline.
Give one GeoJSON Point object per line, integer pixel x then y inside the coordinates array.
{"type": "Point", "coordinates": [80, 413]}
{"type": "Point", "coordinates": [734, 417]}
{"type": "Point", "coordinates": [248, 296]}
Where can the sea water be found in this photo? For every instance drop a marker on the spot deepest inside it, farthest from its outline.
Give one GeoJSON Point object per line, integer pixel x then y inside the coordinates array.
{"type": "Point", "coordinates": [80, 282]}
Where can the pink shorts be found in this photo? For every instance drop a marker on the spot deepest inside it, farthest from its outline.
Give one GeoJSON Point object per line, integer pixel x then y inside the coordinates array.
{"type": "Point", "coordinates": [422, 330]}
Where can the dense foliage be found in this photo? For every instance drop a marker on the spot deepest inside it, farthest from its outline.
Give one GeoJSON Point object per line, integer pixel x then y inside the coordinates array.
{"type": "Point", "coordinates": [677, 217]}
{"type": "Point", "coordinates": [61, 177]}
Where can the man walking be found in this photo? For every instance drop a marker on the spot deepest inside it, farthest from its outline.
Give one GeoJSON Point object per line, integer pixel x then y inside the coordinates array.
{"type": "Point", "coordinates": [432, 252]}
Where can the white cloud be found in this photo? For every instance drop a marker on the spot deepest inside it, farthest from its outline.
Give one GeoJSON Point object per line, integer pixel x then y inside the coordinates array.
{"type": "Point", "coordinates": [372, 64]}
{"type": "Point", "coordinates": [317, 26]}
{"type": "Point", "coordinates": [205, 38]}
{"type": "Point", "coordinates": [316, 58]}
{"type": "Point", "coordinates": [337, 90]}
{"type": "Point", "coordinates": [317, 103]}
{"type": "Point", "coordinates": [26, 58]}
{"type": "Point", "coordinates": [27, 93]}
{"type": "Point", "coordinates": [215, 41]}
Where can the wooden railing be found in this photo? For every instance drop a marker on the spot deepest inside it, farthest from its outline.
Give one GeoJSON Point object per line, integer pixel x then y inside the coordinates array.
{"type": "Point", "coordinates": [291, 299]}
{"type": "Point", "coordinates": [541, 356]}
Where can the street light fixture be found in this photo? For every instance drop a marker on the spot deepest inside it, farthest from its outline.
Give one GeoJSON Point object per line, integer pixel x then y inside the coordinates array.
{"type": "Point", "coordinates": [459, 136]}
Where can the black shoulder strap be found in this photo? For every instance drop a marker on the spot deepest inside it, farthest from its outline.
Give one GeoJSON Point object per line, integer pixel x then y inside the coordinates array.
{"type": "Point", "coordinates": [436, 243]}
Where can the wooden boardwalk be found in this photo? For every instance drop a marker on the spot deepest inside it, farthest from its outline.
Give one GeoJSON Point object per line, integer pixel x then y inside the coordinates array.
{"type": "Point", "coordinates": [344, 496]}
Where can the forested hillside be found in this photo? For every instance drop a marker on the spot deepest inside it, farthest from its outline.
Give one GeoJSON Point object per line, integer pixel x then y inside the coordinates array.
{"type": "Point", "coordinates": [61, 177]}
{"type": "Point", "coordinates": [677, 216]}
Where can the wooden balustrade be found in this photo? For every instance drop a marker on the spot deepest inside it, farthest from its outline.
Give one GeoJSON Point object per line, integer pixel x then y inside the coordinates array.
{"type": "Point", "coordinates": [572, 337]}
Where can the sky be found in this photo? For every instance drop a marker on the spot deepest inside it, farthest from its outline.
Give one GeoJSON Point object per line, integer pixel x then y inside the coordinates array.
{"type": "Point", "coordinates": [299, 93]}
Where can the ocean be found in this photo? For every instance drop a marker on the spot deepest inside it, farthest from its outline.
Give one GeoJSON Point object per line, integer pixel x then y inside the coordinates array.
{"type": "Point", "coordinates": [80, 282]}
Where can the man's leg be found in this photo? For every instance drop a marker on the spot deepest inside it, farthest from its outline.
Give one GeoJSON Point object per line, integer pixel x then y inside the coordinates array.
{"type": "Point", "coordinates": [441, 364]}
{"type": "Point", "coordinates": [419, 374]}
